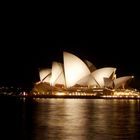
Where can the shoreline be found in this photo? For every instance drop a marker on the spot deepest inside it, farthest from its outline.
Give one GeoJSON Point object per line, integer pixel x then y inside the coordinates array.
{"type": "Point", "coordinates": [69, 97]}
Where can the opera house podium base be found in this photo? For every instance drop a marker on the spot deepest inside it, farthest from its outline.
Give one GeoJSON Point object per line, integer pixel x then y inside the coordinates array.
{"type": "Point", "coordinates": [80, 94]}
{"type": "Point", "coordinates": [98, 93]}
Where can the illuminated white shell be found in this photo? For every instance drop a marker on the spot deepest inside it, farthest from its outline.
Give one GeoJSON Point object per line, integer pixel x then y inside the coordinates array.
{"type": "Point", "coordinates": [75, 69]}
{"type": "Point", "coordinates": [44, 73]}
{"type": "Point", "coordinates": [47, 79]}
{"type": "Point", "coordinates": [57, 76]}
{"type": "Point", "coordinates": [102, 73]}
{"type": "Point", "coordinates": [87, 81]}
{"type": "Point", "coordinates": [121, 81]}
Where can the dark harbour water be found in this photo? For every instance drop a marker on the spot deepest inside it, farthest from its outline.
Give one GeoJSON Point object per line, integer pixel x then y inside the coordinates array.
{"type": "Point", "coordinates": [69, 119]}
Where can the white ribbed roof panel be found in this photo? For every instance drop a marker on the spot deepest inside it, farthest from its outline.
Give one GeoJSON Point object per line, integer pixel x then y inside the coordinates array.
{"type": "Point", "coordinates": [121, 81]}
{"type": "Point", "coordinates": [43, 73]}
{"type": "Point", "coordinates": [61, 79]}
{"type": "Point", "coordinates": [102, 73]}
{"type": "Point", "coordinates": [74, 68]}
{"type": "Point", "coordinates": [56, 71]}
{"type": "Point", "coordinates": [87, 81]}
{"type": "Point", "coordinates": [47, 79]}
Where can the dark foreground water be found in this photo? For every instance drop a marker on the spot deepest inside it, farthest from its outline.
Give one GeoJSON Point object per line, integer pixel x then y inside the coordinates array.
{"type": "Point", "coordinates": [69, 119]}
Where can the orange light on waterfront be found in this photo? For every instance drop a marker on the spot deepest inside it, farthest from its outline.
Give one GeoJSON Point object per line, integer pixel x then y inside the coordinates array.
{"type": "Point", "coordinates": [60, 93]}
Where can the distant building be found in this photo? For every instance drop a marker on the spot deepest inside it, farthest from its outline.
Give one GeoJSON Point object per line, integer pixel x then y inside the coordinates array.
{"type": "Point", "coordinates": [77, 74]}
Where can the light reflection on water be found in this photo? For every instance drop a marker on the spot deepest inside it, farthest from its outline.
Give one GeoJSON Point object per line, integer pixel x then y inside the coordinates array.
{"type": "Point", "coordinates": [72, 119]}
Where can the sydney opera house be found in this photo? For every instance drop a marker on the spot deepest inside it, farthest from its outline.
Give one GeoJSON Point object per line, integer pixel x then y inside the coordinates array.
{"type": "Point", "coordinates": [75, 77]}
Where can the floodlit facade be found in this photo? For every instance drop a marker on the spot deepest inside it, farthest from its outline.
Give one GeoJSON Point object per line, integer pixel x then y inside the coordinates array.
{"type": "Point", "coordinates": [122, 81]}
{"type": "Point", "coordinates": [102, 73]}
{"type": "Point", "coordinates": [57, 76]}
{"type": "Point", "coordinates": [44, 75]}
{"type": "Point", "coordinates": [77, 75]}
{"type": "Point", "coordinates": [75, 69]}
{"type": "Point", "coordinates": [88, 81]}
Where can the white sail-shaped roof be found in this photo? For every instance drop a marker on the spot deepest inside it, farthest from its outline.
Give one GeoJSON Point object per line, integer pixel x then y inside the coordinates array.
{"type": "Point", "coordinates": [102, 73]}
{"type": "Point", "coordinates": [61, 79]}
{"type": "Point", "coordinates": [47, 79]}
{"type": "Point", "coordinates": [74, 68]}
{"type": "Point", "coordinates": [43, 73]}
{"type": "Point", "coordinates": [57, 73]}
{"type": "Point", "coordinates": [87, 81]}
{"type": "Point", "coordinates": [90, 65]}
{"type": "Point", "coordinates": [121, 81]}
